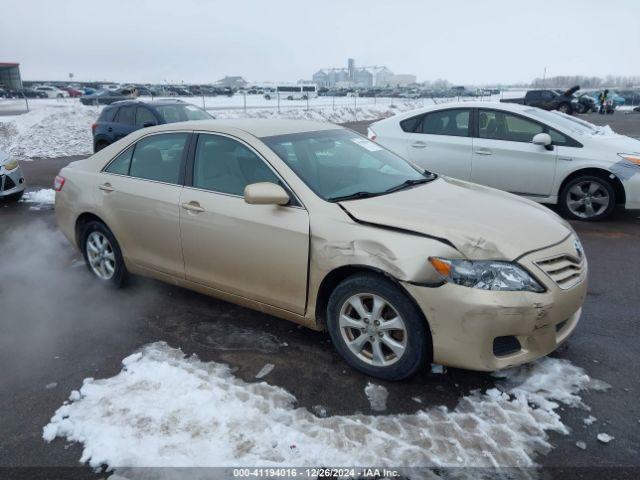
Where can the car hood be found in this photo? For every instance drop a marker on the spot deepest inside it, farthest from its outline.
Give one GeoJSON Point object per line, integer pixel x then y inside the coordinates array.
{"type": "Point", "coordinates": [571, 91]}
{"type": "Point", "coordinates": [617, 142]}
{"type": "Point", "coordinates": [480, 222]}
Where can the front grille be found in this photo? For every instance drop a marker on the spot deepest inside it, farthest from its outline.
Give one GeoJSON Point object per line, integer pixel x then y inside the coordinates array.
{"type": "Point", "coordinates": [505, 346]}
{"type": "Point", "coordinates": [566, 271]}
{"type": "Point", "coordinates": [8, 183]}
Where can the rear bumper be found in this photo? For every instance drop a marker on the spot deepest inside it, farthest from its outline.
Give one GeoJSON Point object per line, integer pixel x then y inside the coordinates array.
{"type": "Point", "coordinates": [488, 330]}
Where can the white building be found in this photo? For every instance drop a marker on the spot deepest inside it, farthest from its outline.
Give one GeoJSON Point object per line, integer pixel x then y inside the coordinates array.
{"type": "Point", "coordinates": [401, 80]}
{"type": "Point", "coordinates": [372, 76]}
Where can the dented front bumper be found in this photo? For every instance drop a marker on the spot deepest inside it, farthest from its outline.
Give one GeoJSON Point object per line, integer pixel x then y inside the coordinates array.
{"type": "Point", "coordinates": [489, 330]}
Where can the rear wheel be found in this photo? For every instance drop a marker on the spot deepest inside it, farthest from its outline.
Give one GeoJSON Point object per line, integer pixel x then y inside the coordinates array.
{"type": "Point", "coordinates": [587, 198]}
{"type": "Point", "coordinates": [376, 328]}
{"type": "Point", "coordinates": [102, 254]}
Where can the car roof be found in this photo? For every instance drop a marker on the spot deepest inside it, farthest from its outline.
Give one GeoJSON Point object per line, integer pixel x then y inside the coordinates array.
{"type": "Point", "coordinates": [152, 103]}
{"type": "Point", "coordinates": [509, 107]}
{"type": "Point", "coordinates": [256, 127]}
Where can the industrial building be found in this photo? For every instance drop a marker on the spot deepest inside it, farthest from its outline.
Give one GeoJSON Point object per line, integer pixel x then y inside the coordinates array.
{"type": "Point", "coordinates": [10, 76]}
{"type": "Point", "coordinates": [370, 76]}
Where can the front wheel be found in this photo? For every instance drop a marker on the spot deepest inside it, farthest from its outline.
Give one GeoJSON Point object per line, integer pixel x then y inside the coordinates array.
{"type": "Point", "coordinates": [377, 329]}
{"type": "Point", "coordinates": [102, 254]}
{"type": "Point", "coordinates": [587, 198]}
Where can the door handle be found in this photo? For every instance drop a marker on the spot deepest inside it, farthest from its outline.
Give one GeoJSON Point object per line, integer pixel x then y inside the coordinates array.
{"type": "Point", "coordinates": [193, 207]}
{"type": "Point", "coordinates": [484, 151]}
{"type": "Point", "coordinates": [418, 144]}
{"type": "Point", "coordinates": [106, 187]}
{"type": "Point", "coordinates": [110, 129]}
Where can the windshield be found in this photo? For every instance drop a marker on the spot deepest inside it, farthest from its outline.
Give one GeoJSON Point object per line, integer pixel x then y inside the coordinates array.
{"type": "Point", "coordinates": [182, 113]}
{"type": "Point", "coordinates": [565, 121]}
{"type": "Point", "coordinates": [337, 164]}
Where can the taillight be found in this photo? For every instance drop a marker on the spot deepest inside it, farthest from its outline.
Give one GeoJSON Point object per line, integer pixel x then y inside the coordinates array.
{"type": "Point", "coordinates": [58, 183]}
{"type": "Point", "coordinates": [371, 134]}
{"type": "Point", "coordinates": [93, 127]}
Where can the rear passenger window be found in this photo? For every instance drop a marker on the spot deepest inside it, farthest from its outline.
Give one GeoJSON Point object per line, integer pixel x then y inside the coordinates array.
{"type": "Point", "coordinates": [144, 115]}
{"type": "Point", "coordinates": [159, 157]}
{"type": "Point", "coordinates": [410, 124]}
{"type": "Point", "coordinates": [120, 165]}
{"type": "Point", "coordinates": [227, 166]}
{"type": "Point", "coordinates": [126, 115]}
{"type": "Point", "coordinates": [108, 114]}
{"type": "Point", "coordinates": [447, 122]}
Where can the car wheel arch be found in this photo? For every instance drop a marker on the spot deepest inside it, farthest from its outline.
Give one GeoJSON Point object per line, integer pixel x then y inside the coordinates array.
{"type": "Point", "coordinates": [82, 221]}
{"type": "Point", "coordinates": [332, 279]}
{"type": "Point", "coordinates": [618, 188]}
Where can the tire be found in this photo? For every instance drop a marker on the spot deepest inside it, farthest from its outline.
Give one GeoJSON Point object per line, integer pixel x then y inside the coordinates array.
{"type": "Point", "coordinates": [100, 145]}
{"type": "Point", "coordinates": [109, 268]}
{"type": "Point", "coordinates": [577, 198]}
{"type": "Point", "coordinates": [413, 337]}
{"type": "Point", "coordinates": [565, 108]}
{"type": "Point", "coordinates": [14, 197]}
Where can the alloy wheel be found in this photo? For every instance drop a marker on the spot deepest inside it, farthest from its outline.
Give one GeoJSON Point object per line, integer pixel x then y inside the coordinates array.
{"type": "Point", "coordinates": [101, 256]}
{"type": "Point", "coordinates": [587, 199]}
{"type": "Point", "coordinates": [372, 329]}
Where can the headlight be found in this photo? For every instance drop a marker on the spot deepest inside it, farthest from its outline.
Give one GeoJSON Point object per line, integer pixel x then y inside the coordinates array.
{"type": "Point", "coordinates": [486, 275]}
{"type": "Point", "coordinates": [11, 165]}
{"type": "Point", "coordinates": [631, 157]}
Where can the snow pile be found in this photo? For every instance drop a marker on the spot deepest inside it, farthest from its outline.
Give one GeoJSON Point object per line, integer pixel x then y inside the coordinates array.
{"type": "Point", "coordinates": [339, 114]}
{"type": "Point", "coordinates": [52, 130]}
{"type": "Point", "coordinates": [49, 131]}
{"type": "Point", "coordinates": [46, 196]}
{"type": "Point", "coordinates": [164, 410]}
{"type": "Point", "coordinates": [377, 395]}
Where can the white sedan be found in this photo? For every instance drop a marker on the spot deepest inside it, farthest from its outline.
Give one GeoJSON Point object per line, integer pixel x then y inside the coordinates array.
{"type": "Point", "coordinates": [52, 92]}
{"type": "Point", "coordinates": [545, 156]}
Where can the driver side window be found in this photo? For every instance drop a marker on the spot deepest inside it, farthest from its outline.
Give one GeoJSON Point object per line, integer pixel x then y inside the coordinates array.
{"type": "Point", "coordinates": [225, 165]}
{"type": "Point", "coordinates": [496, 125]}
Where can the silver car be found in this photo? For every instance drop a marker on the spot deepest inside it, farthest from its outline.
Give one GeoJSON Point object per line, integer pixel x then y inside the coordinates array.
{"type": "Point", "coordinates": [12, 182]}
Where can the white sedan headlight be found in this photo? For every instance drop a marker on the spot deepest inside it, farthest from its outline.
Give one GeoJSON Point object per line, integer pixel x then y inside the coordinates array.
{"type": "Point", "coordinates": [631, 157]}
{"type": "Point", "coordinates": [486, 275]}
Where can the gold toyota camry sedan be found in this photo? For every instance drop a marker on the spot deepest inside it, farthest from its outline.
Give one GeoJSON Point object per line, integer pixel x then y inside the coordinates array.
{"type": "Point", "coordinates": [318, 225]}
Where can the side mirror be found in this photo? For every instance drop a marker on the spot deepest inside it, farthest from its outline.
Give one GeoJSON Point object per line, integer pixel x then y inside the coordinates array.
{"type": "Point", "coordinates": [265, 193]}
{"type": "Point", "coordinates": [148, 124]}
{"type": "Point", "coordinates": [543, 139]}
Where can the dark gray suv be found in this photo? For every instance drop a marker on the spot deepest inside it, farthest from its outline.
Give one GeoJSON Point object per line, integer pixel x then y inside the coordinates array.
{"type": "Point", "coordinates": [121, 118]}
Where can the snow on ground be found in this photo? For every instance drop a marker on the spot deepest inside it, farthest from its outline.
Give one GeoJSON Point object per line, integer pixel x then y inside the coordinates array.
{"type": "Point", "coordinates": [164, 410]}
{"type": "Point", "coordinates": [57, 128]}
{"type": "Point", "coordinates": [49, 130]}
{"type": "Point", "coordinates": [45, 196]}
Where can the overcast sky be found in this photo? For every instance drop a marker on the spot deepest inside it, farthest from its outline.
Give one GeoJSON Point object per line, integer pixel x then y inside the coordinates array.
{"type": "Point", "coordinates": [464, 41]}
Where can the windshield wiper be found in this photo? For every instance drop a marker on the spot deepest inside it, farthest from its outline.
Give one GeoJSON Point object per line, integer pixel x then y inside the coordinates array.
{"type": "Point", "coordinates": [410, 183]}
{"type": "Point", "coordinates": [354, 196]}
